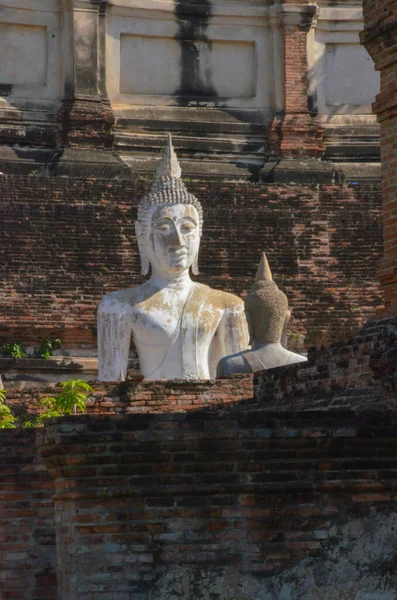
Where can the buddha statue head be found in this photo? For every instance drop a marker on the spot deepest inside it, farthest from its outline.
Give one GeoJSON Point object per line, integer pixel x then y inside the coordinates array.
{"type": "Point", "coordinates": [170, 222]}
{"type": "Point", "coordinates": [266, 308]}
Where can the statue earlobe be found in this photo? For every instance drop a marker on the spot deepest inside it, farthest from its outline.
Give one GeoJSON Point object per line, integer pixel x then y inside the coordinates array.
{"type": "Point", "coordinates": [250, 327]}
{"type": "Point", "coordinates": [145, 264]}
{"type": "Point", "coordinates": [284, 337]}
{"type": "Point", "coordinates": [195, 269]}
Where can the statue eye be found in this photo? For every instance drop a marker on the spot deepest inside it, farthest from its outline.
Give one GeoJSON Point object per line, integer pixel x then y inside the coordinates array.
{"type": "Point", "coordinates": [188, 227]}
{"type": "Point", "coordinates": [163, 227]}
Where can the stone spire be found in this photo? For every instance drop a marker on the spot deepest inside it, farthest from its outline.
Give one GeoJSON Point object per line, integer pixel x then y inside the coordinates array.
{"type": "Point", "coordinates": [168, 187]}
{"type": "Point", "coordinates": [169, 165]}
{"type": "Point", "coordinates": [264, 273]}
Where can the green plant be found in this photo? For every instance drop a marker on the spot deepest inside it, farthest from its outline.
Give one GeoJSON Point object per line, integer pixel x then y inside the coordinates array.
{"type": "Point", "coordinates": [14, 350]}
{"type": "Point", "coordinates": [7, 419]}
{"type": "Point", "coordinates": [71, 397]}
{"type": "Point", "coordinates": [51, 411]}
{"type": "Point", "coordinates": [47, 347]}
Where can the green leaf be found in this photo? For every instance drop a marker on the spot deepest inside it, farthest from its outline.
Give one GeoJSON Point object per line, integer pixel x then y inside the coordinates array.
{"type": "Point", "coordinates": [4, 410]}
{"type": "Point", "coordinates": [73, 394]}
{"type": "Point", "coordinates": [73, 384]}
{"type": "Point", "coordinates": [46, 348]}
{"type": "Point", "coordinates": [48, 402]}
{"type": "Point", "coordinates": [7, 422]}
{"type": "Point", "coordinates": [14, 350]}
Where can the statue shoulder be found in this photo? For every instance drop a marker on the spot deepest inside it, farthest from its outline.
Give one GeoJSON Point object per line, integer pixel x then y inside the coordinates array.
{"type": "Point", "coordinates": [123, 300]}
{"type": "Point", "coordinates": [226, 301]}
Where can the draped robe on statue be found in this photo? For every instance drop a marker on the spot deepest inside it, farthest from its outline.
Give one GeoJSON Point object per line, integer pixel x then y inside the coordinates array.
{"type": "Point", "coordinates": [209, 325]}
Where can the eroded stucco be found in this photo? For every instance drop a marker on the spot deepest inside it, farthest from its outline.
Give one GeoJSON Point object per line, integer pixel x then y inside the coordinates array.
{"type": "Point", "coordinates": [358, 563]}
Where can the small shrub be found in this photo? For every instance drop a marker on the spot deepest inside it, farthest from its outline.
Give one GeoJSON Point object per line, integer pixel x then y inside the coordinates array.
{"type": "Point", "coordinates": [71, 397]}
{"type": "Point", "coordinates": [7, 419]}
{"type": "Point", "coordinates": [47, 347]}
{"type": "Point", "coordinates": [14, 350]}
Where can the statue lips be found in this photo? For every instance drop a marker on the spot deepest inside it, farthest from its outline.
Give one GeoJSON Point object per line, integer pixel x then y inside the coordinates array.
{"type": "Point", "coordinates": [178, 257]}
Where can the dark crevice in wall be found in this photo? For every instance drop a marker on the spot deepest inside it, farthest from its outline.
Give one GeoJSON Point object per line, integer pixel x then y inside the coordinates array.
{"type": "Point", "coordinates": [193, 19]}
{"type": "Point", "coordinates": [5, 89]}
{"type": "Point", "coordinates": [312, 103]}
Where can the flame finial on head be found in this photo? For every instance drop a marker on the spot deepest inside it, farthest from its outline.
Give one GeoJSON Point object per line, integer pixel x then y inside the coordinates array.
{"type": "Point", "coordinates": [264, 273]}
{"type": "Point", "coordinates": [169, 165]}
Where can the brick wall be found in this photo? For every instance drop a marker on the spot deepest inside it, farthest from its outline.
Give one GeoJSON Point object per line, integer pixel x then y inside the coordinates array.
{"type": "Point", "coordinates": [358, 373]}
{"type": "Point", "coordinates": [167, 485]}
{"type": "Point", "coordinates": [380, 39]}
{"type": "Point", "coordinates": [27, 527]}
{"type": "Point", "coordinates": [67, 242]}
{"type": "Point", "coordinates": [299, 135]}
{"type": "Point", "coordinates": [137, 396]}
{"type": "Point", "coordinates": [271, 498]}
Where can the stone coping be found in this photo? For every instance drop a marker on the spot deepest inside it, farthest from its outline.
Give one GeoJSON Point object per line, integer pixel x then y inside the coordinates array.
{"type": "Point", "coordinates": [25, 373]}
{"type": "Point", "coordinates": [50, 364]}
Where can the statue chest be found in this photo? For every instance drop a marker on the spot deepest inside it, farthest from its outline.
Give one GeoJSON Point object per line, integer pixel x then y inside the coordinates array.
{"type": "Point", "coordinates": [155, 327]}
{"type": "Point", "coordinates": [158, 319]}
{"type": "Point", "coordinates": [175, 335]}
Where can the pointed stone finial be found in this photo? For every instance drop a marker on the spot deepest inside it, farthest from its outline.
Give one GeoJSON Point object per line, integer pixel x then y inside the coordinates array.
{"type": "Point", "coordinates": [264, 273]}
{"type": "Point", "coordinates": [169, 165]}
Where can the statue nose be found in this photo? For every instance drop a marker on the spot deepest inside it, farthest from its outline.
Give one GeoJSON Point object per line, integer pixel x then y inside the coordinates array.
{"type": "Point", "coordinates": [177, 237]}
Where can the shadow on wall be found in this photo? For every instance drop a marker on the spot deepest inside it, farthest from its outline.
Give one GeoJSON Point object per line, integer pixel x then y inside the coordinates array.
{"type": "Point", "coordinates": [192, 25]}
{"type": "Point", "coordinates": [196, 77]}
{"type": "Point", "coordinates": [359, 562]}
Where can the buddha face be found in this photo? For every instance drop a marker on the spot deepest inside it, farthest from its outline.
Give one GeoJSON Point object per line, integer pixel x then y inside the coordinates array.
{"type": "Point", "coordinates": [174, 238]}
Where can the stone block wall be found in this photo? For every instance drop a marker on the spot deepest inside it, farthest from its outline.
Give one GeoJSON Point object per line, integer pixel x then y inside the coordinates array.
{"type": "Point", "coordinates": [67, 242]}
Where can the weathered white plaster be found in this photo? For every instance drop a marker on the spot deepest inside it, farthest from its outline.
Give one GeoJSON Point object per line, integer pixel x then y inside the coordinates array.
{"type": "Point", "coordinates": [23, 49]}
{"type": "Point", "coordinates": [343, 80]}
{"type": "Point", "coordinates": [234, 62]}
{"type": "Point", "coordinates": [349, 75]}
{"type": "Point", "coordinates": [181, 329]}
{"type": "Point", "coordinates": [158, 53]}
{"type": "Point", "coordinates": [30, 50]}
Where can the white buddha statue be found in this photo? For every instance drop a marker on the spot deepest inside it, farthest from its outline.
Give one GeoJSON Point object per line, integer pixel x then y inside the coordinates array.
{"type": "Point", "coordinates": [267, 314]}
{"type": "Point", "coordinates": [181, 329]}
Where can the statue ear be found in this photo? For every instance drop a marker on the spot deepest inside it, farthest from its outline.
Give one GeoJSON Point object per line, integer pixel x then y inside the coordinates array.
{"type": "Point", "coordinates": [284, 338]}
{"type": "Point", "coordinates": [145, 265]}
